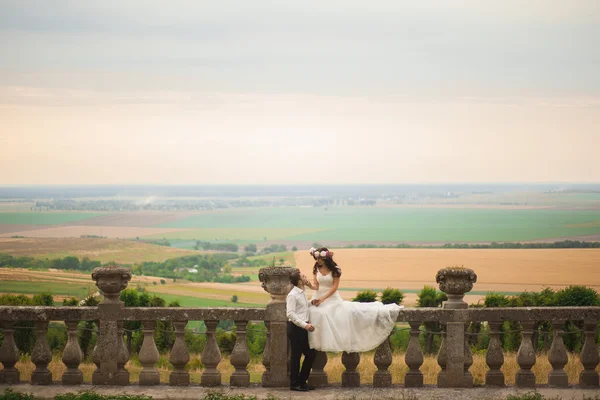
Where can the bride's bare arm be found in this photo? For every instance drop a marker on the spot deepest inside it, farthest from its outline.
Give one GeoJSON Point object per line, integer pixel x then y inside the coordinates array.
{"type": "Point", "coordinates": [315, 283]}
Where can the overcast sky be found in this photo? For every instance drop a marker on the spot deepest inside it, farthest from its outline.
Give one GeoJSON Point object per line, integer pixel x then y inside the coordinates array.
{"type": "Point", "coordinates": [299, 91]}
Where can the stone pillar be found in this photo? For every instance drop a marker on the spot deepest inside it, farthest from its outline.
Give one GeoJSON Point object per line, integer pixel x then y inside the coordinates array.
{"type": "Point", "coordinates": [442, 360]}
{"type": "Point", "coordinates": [414, 357]}
{"type": "Point", "coordinates": [240, 357]}
{"type": "Point", "coordinates": [41, 356]}
{"type": "Point", "coordinates": [589, 356]}
{"type": "Point", "coordinates": [526, 357]}
{"type": "Point", "coordinates": [318, 376]}
{"type": "Point", "coordinates": [266, 357]}
{"type": "Point", "coordinates": [276, 281]}
{"type": "Point", "coordinates": [558, 357]}
{"type": "Point", "coordinates": [494, 357]}
{"type": "Point", "coordinates": [211, 357]}
{"type": "Point", "coordinates": [9, 355]}
{"type": "Point", "coordinates": [122, 378]}
{"type": "Point", "coordinates": [111, 281]}
{"type": "Point", "coordinates": [149, 356]}
{"type": "Point", "coordinates": [468, 361]}
{"type": "Point", "coordinates": [72, 356]}
{"type": "Point", "coordinates": [455, 282]}
{"type": "Point", "coordinates": [350, 376]}
{"type": "Point", "coordinates": [383, 359]}
{"type": "Point", "coordinates": [180, 356]}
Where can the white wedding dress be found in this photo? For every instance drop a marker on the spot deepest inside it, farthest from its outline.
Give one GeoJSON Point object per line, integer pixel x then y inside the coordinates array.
{"type": "Point", "coordinates": [348, 326]}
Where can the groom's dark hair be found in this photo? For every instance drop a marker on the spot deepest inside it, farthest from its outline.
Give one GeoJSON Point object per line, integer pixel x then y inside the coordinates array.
{"type": "Point", "coordinates": [295, 277]}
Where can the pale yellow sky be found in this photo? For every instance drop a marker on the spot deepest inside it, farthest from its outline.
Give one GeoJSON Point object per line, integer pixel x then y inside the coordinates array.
{"type": "Point", "coordinates": [258, 138]}
{"type": "Point", "coordinates": [263, 91]}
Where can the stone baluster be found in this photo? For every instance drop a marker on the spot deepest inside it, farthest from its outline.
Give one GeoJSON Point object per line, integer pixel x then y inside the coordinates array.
{"type": "Point", "coordinates": [72, 356]}
{"type": "Point", "coordinates": [558, 357]}
{"type": "Point", "coordinates": [276, 281]}
{"type": "Point", "coordinates": [111, 281]}
{"type": "Point", "coordinates": [41, 356]}
{"type": "Point", "coordinates": [149, 356]}
{"type": "Point", "coordinates": [589, 356]}
{"type": "Point", "coordinates": [211, 357]}
{"type": "Point", "coordinates": [526, 357]}
{"type": "Point", "coordinates": [9, 355]}
{"type": "Point", "coordinates": [468, 360]}
{"type": "Point", "coordinates": [180, 356]}
{"type": "Point", "coordinates": [494, 357]}
{"type": "Point", "coordinates": [442, 359]}
{"type": "Point", "coordinates": [455, 282]}
{"type": "Point", "coordinates": [350, 376]}
{"type": "Point", "coordinates": [414, 357]}
{"type": "Point", "coordinates": [266, 358]}
{"type": "Point", "coordinates": [318, 376]}
{"type": "Point", "coordinates": [240, 356]}
{"type": "Point", "coordinates": [122, 377]}
{"type": "Point", "coordinates": [383, 359]}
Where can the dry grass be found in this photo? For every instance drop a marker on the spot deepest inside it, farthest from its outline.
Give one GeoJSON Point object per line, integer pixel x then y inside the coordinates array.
{"type": "Point", "coordinates": [124, 251]}
{"type": "Point", "coordinates": [500, 270]}
{"type": "Point", "coordinates": [334, 369]}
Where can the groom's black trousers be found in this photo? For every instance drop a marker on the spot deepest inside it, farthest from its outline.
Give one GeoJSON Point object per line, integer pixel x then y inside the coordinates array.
{"type": "Point", "coordinates": [299, 345]}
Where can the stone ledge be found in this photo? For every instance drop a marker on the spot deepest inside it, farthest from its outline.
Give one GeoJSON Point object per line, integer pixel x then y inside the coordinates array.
{"type": "Point", "coordinates": [164, 392]}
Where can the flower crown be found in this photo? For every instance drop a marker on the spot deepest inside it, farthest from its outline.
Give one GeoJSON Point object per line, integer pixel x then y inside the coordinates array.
{"type": "Point", "coordinates": [322, 253]}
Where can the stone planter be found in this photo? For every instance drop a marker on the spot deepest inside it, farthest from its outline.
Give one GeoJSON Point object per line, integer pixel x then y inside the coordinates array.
{"type": "Point", "coordinates": [455, 282]}
{"type": "Point", "coordinates": [110, 281]}
{"type": "Point", "coordinates": [276, 281]}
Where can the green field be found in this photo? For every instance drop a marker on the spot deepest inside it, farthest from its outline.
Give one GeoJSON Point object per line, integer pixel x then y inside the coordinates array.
{"type": "Point", "coordinates": [387, 224]}
{"type": "Point", "coordinates": [43, 218]}
{"type": "Point", "coordinates": [189, 301]}
{"type": "Point", "coordinates": [77, 290]}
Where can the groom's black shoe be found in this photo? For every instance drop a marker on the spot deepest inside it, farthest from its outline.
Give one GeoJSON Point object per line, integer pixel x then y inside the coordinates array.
{"type": "Point", "coordinates": [308, 387]}
{"type": "Point", "coordinates": [299, 388]}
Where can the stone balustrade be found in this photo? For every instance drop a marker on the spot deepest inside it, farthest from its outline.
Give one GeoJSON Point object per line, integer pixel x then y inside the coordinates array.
{"type": "Point", "coordinates": [110, 354]}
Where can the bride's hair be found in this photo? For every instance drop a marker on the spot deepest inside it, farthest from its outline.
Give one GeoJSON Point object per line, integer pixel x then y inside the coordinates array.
{"type": "Point", "coordinates": [336, 272]}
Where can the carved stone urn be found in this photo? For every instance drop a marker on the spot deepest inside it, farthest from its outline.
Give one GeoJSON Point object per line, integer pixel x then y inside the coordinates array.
{"type": "Point", "coordinates": [455, 282]}
{"type": "Point", "coordinates": [111, 280]}
{"type": "Point", "coordinates": [276, 281]}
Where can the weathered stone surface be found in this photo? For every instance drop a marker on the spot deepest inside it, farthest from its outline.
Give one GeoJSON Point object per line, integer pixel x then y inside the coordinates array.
{"type": "Point", "coordinates": [122, 377]}
{"type": "Point", "coordinates": [558, 358]}
{"type": "Point", "coordinates": [468, 361]}
{"type": "Point", "coordinates": [111, 281]}
{"type": "Point", "coordinates": [494, 357]}
{"type": "Point", "coordinates": [276, 281]}
{"type": "Point", "coordinates": [211, 356]}
{"type": "Point", "coordinates": [192, 314]}
{"type": "Point", "coordinates": [41, 355]}
{"type": "Point", "coordinates": [72, 357]}
{"type": "Point", "coordinates": [526, 357]}
{"type": "Point", "coordinates": [366, 392]}
{"type": "Point", "coordinates": [383, 359]}
{"type": "Point", "coordinates": [455, 282]}
{"type": "Point", "coordinates": [455, 339]}
{"type": "Point", "coordinates": [46, 313]}
{"type": "Point", "coordinates": [414, 357]}
{"type": "Point", "coordinates": [179, 357]}
{"type": "Point", "coordinates": [442, 360]}
{"type": "Point", "coordinates": [589, 356]}
{"type": "Point", "coordinates": [149, 356]}
{"type": "Point", "coordinates": [240, 357]}
{"type": "Point", "coordinates": [318, 376]}
{"type": "Point", "coordinates": [9, 355]}
{"type": "Point", "coordinates": [350, 376]}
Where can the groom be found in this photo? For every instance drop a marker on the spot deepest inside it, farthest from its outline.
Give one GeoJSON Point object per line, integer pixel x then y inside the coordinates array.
{"type": "Point", "coordinates": [297, 330]}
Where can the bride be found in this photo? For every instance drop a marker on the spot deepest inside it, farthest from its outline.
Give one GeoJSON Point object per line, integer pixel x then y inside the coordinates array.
{"type": "Point", "coordinates": [344, 325]}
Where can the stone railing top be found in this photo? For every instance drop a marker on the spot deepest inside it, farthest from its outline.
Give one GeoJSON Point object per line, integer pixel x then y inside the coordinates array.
{"type": "Point", "coordinates": [43, 313]}
{"type": "Point", "coordinates": [500, 314]}
{"type": "Point", "coordinates": [193, 314]}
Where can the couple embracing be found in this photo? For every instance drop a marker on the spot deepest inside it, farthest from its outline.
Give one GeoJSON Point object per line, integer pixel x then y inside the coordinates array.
{"type": "Point", "coordinates": [328, 323]}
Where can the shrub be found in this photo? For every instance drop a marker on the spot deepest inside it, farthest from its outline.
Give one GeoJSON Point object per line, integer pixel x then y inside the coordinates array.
{"type": "Point", "coordinates": [392, 296]}
{"type": "Point", "coordinates": [365, 296]}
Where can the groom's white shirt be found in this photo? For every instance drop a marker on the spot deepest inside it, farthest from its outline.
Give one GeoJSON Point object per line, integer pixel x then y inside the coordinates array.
{"type": "Point", "coordinates": [297, 307]}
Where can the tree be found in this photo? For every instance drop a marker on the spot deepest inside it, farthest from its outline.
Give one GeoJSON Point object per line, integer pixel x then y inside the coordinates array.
{"type": "Point", "coordinates": [234, 298]}
{"type": "Point", "coordinates": [392, 296]}
{"type": "Point", "coordinates": [365, 296]}
{"type": "Point", "coordinates": [251, 248]}
{"type": "Point", "coordinates": [294, 248]}
{"type": "Point", "coordinates": [429, 297]}
{"type": "Point", "coordinates": [162, 281]}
